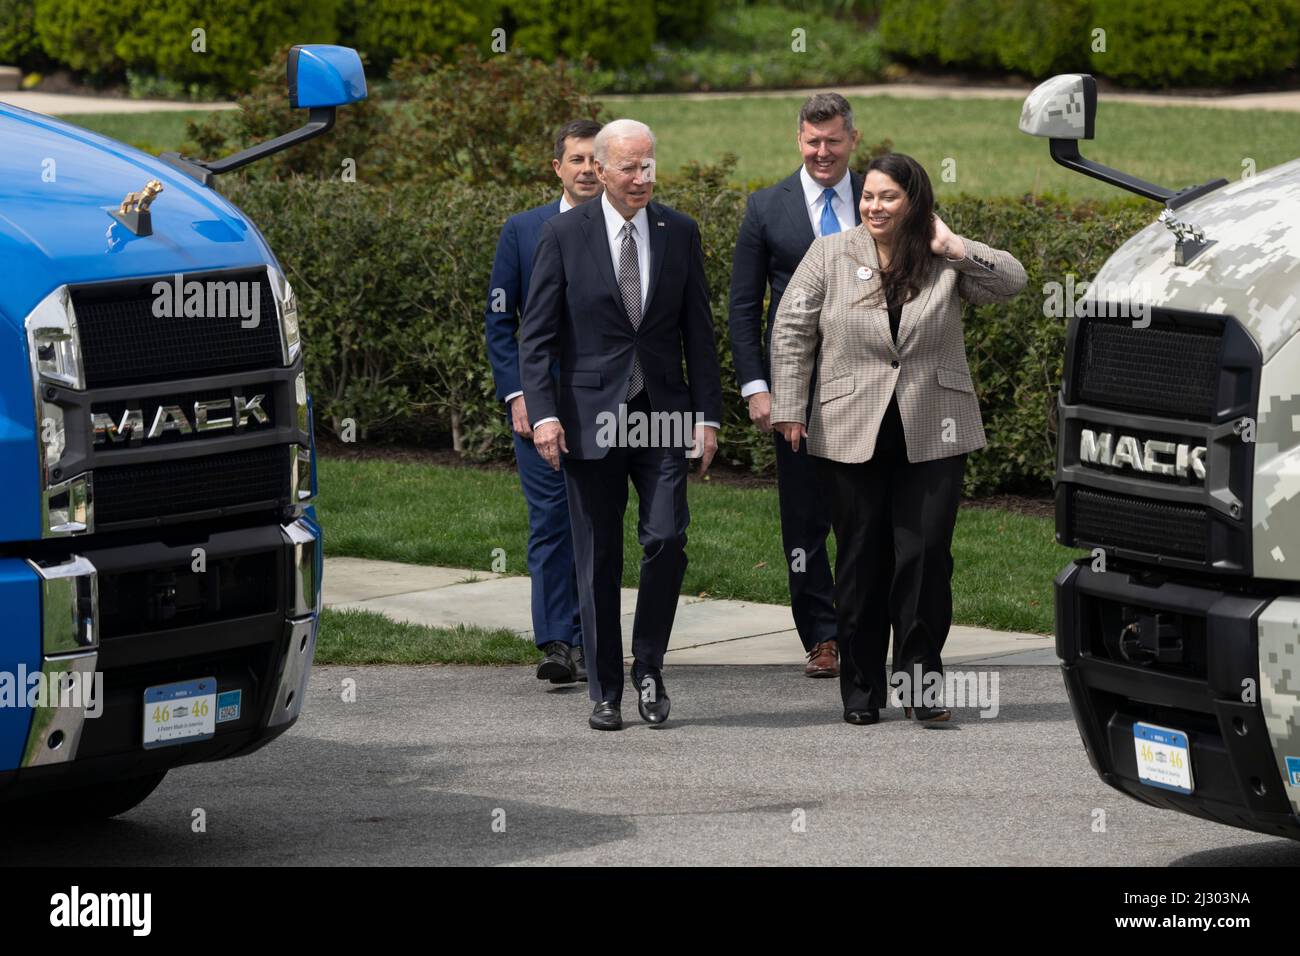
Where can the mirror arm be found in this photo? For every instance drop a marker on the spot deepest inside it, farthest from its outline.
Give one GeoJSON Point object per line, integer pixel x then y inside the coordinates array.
{"type": "Point", "coordinates": [319, 120]}
{"type": "Point", "coordinates": [1066, 152]}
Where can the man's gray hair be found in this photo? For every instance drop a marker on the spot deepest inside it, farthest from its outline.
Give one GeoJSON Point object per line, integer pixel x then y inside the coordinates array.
{"type": "Point", "coordinates": [824, 107]}
{"type": "Point", "coordinates": [620, 129]}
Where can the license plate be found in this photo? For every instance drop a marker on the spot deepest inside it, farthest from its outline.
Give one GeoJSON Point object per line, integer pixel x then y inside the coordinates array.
{"type": "Point", "coordinates": [1164, 757]}
{"type": "Point", "coordinates": [180, 713]}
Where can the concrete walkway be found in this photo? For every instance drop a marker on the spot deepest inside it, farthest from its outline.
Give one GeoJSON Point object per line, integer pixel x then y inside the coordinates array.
{"type": "Point", "coordinates": [63, 104]}
{"type": "Point", "coordinates": [1285, 101]}
{"type": "Point", "coordinates": [705, 631]}
{"type": "Point", "coordinates": [66, 104]}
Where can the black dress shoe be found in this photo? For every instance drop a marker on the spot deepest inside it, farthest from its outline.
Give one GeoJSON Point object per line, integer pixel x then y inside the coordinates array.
{"type": "Point", "coordinates": [863, 717]}
{"type": "Point", "coordinates": [928, 715]}
{"type": "Point", "coordinates": [651, 698]}
{"type": "Point", "coordinates": [579, 663]}
{"type": "Point", "coordinates": [556, 666]}
{"type": "Point", "coordinates": [606, 716]}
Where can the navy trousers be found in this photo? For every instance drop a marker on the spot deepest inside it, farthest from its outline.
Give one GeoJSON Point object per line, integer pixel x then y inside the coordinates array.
{"type": "Point", "coordinates": [550, 549]}
{"type": "Point", "coordinates": [597, 500]}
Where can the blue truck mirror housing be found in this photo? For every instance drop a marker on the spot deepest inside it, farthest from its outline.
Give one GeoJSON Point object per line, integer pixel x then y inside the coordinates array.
{"type": "Point", "coordinates": [323, 75]}
{"type": "Point", "coordinates": [321, 78]}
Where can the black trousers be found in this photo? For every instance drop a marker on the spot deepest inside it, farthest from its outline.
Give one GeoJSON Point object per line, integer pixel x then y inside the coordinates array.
{"type": "Point", "coordinates": [893, 524]}
{"type": "Point", "coordinates": [597, 490]}
{"type": "Point", "coordinates": [804, 527]}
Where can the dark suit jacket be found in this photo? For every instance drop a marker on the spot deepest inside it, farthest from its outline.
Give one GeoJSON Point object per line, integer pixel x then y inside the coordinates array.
{"type": "Point", "coordinates": [511, 271]}
{"type": "Point", "coordinates": [773, 238]}
{"type": "Point", "coordinates": [575, 314]}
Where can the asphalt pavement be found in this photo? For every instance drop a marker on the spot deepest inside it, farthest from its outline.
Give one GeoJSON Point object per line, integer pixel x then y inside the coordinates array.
{"type": "Point", "coordinates": [463, 765]}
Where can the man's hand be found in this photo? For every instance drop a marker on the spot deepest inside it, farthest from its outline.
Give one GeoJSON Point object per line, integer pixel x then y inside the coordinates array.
{"type": "Point", "coordinates": [705, 447]}
{"type": "Point", "coordinates": [549, 442]}
{"type": "Point", "coordinates": [791, 432]}
{"type": "Point", "coordinates": [760, 410]}
{"type": "Point", "coordinates": [519, 417]}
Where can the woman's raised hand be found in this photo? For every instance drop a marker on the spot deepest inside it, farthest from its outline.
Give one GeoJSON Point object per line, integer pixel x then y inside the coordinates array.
{"type": "Point", "coordinates": [943, 241]}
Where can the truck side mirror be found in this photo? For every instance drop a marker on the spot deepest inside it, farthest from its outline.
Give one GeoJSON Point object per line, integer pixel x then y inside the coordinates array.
{"type": "Point", "coordinates": [1064, 111]}
{"type": "Point", "coordinates": [324, 75]}
{"type": "Point", "coordinates": [1064, 107]}
{"type": "Point", "coordinates": [321, 79]}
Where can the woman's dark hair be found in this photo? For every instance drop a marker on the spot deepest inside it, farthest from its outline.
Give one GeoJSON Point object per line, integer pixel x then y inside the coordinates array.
{"type": "Point", "coordinates": [910, 260]}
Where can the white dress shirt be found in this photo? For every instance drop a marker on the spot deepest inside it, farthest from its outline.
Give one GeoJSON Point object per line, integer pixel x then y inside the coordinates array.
{"type": "Point", "coordinates": [614, 222]}
{"type": "Point", "coordinates": [614, 231]}
{"type": "Point", "coordinates": [814, 194]}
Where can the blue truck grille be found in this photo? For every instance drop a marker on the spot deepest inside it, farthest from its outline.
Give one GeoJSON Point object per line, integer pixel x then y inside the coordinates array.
{"type": "Point", "coordinates": [132, 495]}
{"type": "Point", "coordinates": [124, 343]}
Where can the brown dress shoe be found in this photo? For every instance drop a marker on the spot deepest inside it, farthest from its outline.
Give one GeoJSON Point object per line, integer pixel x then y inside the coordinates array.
{"type": "Point", "coordinates": [823, 660]}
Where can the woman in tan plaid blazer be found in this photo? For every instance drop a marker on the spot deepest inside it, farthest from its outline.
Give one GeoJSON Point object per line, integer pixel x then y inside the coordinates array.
{"type": "Point", "coordinates": [874, 314]}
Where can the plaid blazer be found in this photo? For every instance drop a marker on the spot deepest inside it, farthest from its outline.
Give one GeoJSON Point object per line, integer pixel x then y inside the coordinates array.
{"type": "Point", "coordinates": [833, 320]}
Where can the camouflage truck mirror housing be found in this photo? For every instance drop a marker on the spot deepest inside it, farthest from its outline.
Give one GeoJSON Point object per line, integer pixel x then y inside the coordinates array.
{"type": "Point", "coordinates": [1064, 107]}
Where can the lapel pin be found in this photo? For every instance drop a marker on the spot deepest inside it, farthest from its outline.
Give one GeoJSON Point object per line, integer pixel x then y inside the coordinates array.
{"type": "Point", "coordinates": [864, 272]}
{"type": "Point", "coordinates": [658, 223]}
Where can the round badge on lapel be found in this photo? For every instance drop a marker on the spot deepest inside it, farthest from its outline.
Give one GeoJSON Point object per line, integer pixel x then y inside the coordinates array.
{"type": "Point", "coordinates": [864, 272]}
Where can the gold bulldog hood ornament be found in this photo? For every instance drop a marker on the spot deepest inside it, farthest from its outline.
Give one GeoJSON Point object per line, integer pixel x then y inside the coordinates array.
{"type": "Point", "coordinates": [134, 211]}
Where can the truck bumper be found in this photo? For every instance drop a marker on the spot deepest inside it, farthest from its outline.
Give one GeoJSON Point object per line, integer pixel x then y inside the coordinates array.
{"type": "Point", "coordinates": [239, 606]}
{"type": "Point", "coordinates": [1202, 678]}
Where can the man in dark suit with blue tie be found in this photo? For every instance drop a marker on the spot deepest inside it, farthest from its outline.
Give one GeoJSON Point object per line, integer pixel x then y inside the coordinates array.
{"type": "Point", "coordinates": [780, 224]}
{"type": "Point", "coordinates": [557, 629]}
{"type": "Point", "coordinates": [619, 298]}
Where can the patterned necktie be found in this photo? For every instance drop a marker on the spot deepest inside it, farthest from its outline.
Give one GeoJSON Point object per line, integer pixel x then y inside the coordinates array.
{"type": "Point", "coordinates": [629, 283]}
{"type": "Point", "coordinates": [830, 224]}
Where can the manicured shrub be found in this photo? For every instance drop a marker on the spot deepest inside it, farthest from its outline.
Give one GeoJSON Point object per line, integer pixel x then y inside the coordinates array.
{"type": "Point", "coordinates": [392, 283]}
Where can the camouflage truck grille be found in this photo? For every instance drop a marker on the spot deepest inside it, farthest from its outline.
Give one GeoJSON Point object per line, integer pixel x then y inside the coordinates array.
{"type": "Point", "coordinates": [1165, 371]}
{"type": "Point", "coordinates": [123, 342]}
{"type": "Point", "coordinates": [1104, 520]}
{"type": "Point", "coordinates": [135, 495]}
{"type": "Point", "coordinates": [1151, 465]}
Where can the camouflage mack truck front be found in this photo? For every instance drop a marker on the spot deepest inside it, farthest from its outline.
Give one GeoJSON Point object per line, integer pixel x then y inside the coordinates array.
{"type": "Point", "coordinates": [160, 558]}
{"type": "Point", "coordinates": [1178, 469]}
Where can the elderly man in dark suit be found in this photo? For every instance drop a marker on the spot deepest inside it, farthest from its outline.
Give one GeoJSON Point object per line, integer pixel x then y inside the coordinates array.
{"type": "Point", "coordinates": [557, 630]}
{"type": "Point", "coordinates": [619, 299]}
{"type": "Point", "coordinates": [780, 223]}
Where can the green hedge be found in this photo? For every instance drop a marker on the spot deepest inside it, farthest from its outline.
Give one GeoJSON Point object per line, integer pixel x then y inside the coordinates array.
{"type": "Point", "coordinates": [751, 48]}
{"type": "Point", "coordinates": [1148, 43]}
{"type": "Point", "coordinates": [1215, 42]}
{"type": "Point", "coordinates": [104, 38]}
{"type": "Point", "coordinates": [392, 285]}
{"type": "Point", "coordinates": [19, 45]}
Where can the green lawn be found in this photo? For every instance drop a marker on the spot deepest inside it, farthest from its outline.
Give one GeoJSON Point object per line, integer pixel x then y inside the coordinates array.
{"type": "Point", "coordinates": [992, 157]}
{"type": "Point", "coordinates": [457, 517]}
{"type": "Point", "coordinates": [1173, 146]}
{"type": "Point", "coordinates": [360, 637]}
{"type": "Point", "coordinates": [151, 132]}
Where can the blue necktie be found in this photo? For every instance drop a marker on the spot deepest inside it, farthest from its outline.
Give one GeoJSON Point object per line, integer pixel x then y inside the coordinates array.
{"type": "Point", "coordinates": [830, 225]}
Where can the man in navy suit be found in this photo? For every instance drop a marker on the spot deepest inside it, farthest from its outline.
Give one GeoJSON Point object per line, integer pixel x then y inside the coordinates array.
{"type": "Point", "coordinates": [556, 624]}
{"type": "Point", "coordinates": [780, 224]}
{"type": "Point", "coordinates": [619, 298]}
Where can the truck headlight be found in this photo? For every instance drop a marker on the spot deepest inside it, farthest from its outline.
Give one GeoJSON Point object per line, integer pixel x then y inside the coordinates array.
{"type": "Point", "coordinates": [53, 342]}
{"type": "Point", "coordinates": [286, 307]}
{"type": "Point", "coordinates": [299, 473]}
